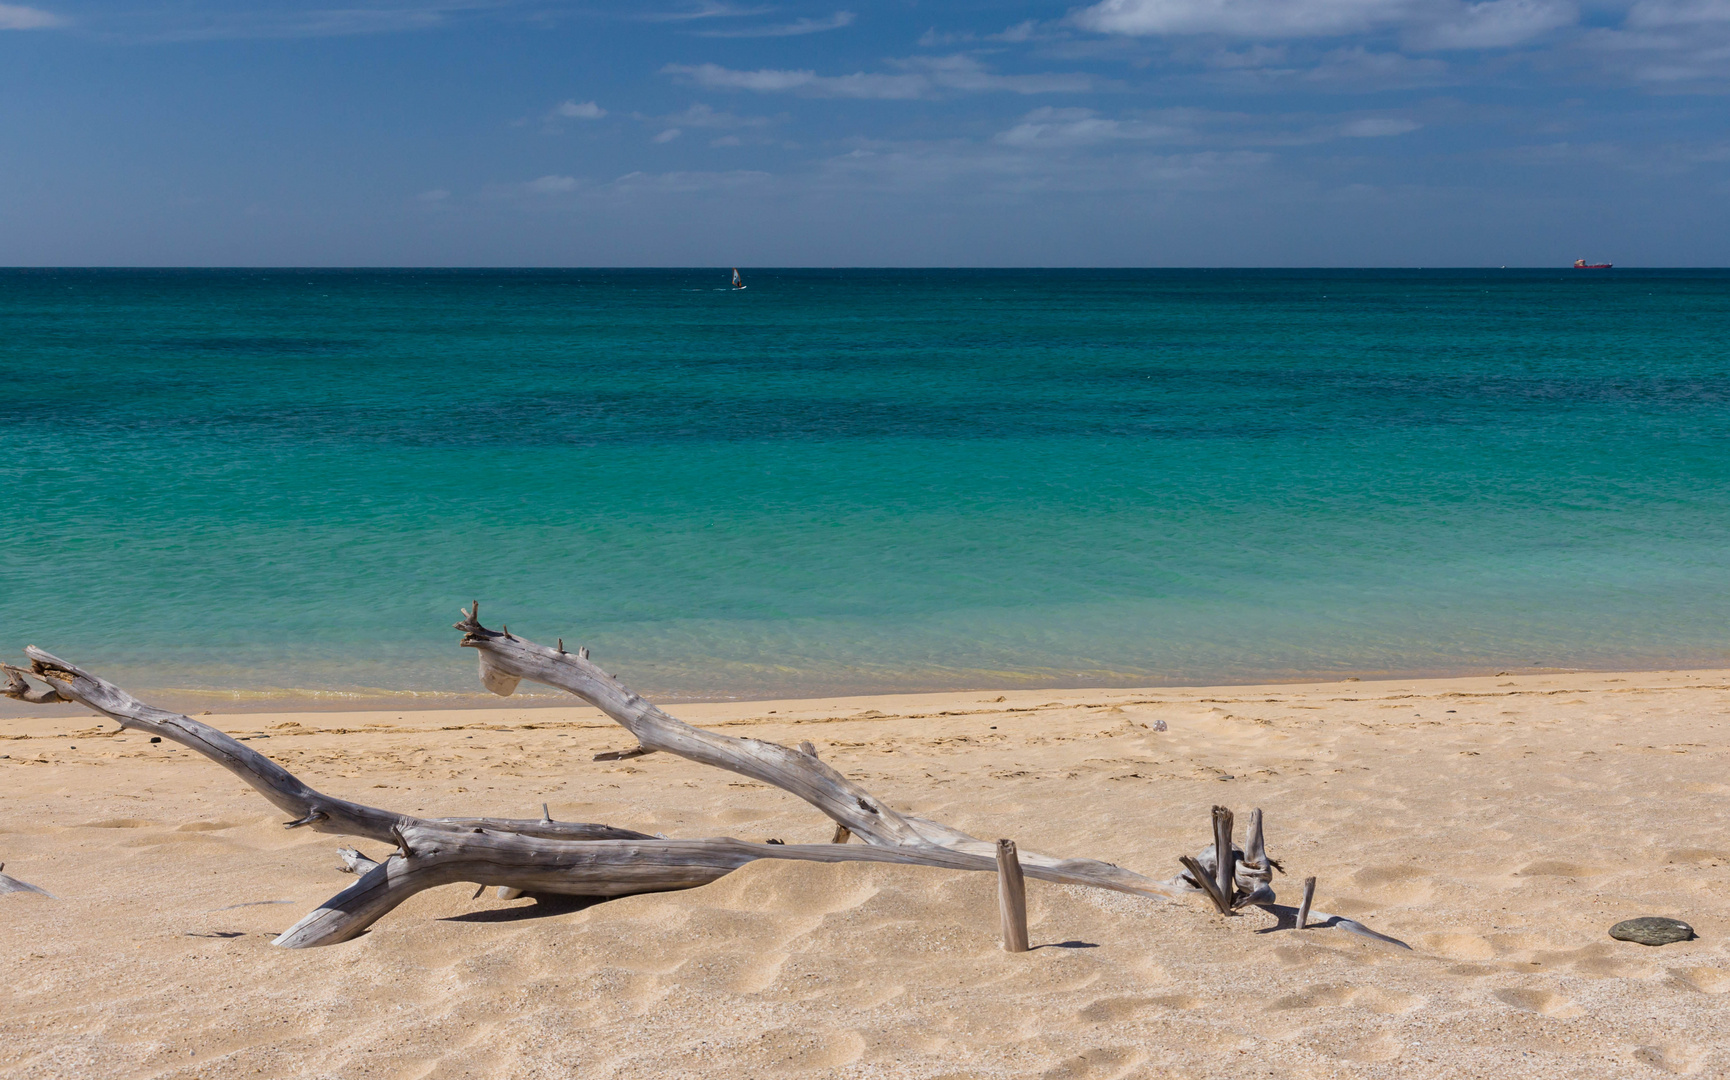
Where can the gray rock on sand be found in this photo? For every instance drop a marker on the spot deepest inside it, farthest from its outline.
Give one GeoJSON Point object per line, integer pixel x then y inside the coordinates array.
{"type": "Point", "coordinates": [1652, 930]}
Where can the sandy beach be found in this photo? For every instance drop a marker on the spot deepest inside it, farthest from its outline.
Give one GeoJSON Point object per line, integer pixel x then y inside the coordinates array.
{"type": "Point", "coordinates": [1500, 825]}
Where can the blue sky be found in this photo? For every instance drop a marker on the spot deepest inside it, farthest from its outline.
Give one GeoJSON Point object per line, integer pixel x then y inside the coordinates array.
{"type": "Point", "coordinates": [696, 132]}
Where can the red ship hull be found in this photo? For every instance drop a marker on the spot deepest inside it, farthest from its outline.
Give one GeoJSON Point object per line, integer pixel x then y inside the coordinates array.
{"type": "Point", "coordinates": [1582, 264]}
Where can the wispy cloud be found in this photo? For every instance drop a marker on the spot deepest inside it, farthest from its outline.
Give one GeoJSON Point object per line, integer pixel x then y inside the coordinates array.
{"type": "Point", "coordinates": [806, 81]}
{"type": "Point", "coordinates": [551, 185]}
{"type": "Point", "coordinates": [288, 21]}
{"type": "Point", "coordinates": [700, 115]}
{"type": "Point", "coordinates": [1253, 19]}
{"type": "Point", "coordinates": [578, 110]}
{"type": "Point", "coordinates": [18, 17]}
{"type": "Point", "coordinates": [1498, 24]}
{"type": "Point", "coordinates": [1653, 50]}
{"type": "Point", "coordinates": [707, 10]}
{"type": "Point", "coordinates": [1650, 14]}
{"type": "Point", "coordinates": [796, 28]}
{"type": "Point", "coordinates": [1054, 128]}
{"type": "Point", "coordinates": [1378, 127]}
{"type": "Point", "coordinates": [920, 77]}
{"type": "Point", "coordinates": [1422, 24]}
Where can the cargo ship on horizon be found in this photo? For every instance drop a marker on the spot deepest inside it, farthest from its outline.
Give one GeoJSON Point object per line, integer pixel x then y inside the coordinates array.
{"type": "Point", "coordinates": [1582, 264]}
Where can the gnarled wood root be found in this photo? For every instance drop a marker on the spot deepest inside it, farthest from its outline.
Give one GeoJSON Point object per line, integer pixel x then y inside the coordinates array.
{"type": "Point", "coordinates": [1247, 880]}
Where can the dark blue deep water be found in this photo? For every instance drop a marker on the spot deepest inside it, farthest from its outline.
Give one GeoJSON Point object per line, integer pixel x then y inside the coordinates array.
{"type": "Point", "coordinates": [864, 480]}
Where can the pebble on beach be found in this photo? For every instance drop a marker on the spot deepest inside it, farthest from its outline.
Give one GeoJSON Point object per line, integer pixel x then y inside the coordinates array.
{"type": "Point", "coordinates": [1652, 930]}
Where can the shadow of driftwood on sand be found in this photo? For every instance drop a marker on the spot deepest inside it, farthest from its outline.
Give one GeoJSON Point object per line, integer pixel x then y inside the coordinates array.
{"type": "Point", "coordinates": [1287, 917]}
{"type": "Point", "coordinates": [543, 907]}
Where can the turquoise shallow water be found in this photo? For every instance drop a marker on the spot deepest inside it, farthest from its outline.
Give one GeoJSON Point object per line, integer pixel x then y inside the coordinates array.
{"type": "Point", "coordinates": [865, 480]}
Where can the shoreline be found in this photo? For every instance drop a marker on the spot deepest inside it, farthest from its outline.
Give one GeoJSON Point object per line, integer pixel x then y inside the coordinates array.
{"type": "Point", "coordinates": [274, 701]}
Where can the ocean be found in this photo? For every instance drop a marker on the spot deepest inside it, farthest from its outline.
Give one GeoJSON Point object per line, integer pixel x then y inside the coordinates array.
{"type": "Point", "coordinates": [260, 487]}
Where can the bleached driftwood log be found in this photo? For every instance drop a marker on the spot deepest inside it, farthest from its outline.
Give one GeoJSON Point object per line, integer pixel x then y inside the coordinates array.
{"type": "Point", "coordinates": [8, 883]}
{"type": "Point", "coordinates": [541, 856]}
{"type": "Point", "coordinates": [561, 858]}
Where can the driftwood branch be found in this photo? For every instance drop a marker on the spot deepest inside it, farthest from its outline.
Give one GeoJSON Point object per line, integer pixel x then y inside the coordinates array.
{"type": "Point", "coordinates": [9, 884]}
{"type": "Point", "coordinates": [285, 791]}
{"type": "Point", "coordinates": [542, 856]}
{"type": "Point", "coordinates": [506, 660]}
{"type": "Point", "coordinates": [547, 857]}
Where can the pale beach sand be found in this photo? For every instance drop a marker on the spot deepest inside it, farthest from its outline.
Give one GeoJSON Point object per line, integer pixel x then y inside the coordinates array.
{"type": "Point", "coordinates": [1500, 825]}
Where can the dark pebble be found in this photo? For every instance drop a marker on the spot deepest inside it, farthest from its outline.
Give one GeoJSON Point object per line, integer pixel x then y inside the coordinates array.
{"type": "Point", "coordinates": [1652, 930]}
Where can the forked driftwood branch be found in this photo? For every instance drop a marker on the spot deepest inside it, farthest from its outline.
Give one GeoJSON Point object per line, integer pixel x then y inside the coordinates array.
{"type": "Point", "coordinates": [542, 856]}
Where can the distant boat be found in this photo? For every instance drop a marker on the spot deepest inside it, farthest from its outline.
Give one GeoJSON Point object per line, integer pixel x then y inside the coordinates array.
{"type": "Point", "coordinates": [1579, 264]}
{"type": "Point", "coordinates": [738, 282]}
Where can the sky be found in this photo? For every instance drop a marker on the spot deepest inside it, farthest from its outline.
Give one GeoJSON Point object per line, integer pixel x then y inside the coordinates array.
{"type": "Point", "coordinates": [709, 133]}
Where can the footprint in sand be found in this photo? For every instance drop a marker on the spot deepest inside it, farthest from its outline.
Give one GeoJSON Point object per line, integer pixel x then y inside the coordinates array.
{"type": "Point", "coordinates": [1389, 1002]}
{"type": "Point", "coordinates": [1316, 997]}
{"type": "Point", "coordinates": [1456, 945]}
{"type": "Point", "coordinates": [1542, 1002]}
{"type": "Point", "coordinates": [1110, 1010]}
{"type": "Point", "coordinates": [801, 1051]}
{"type": "Point", "coordinates": [1394, 884]}
{"type": "Point", "coordinates": [1670, 1059]}
{"type": "Point", "coordinates": [1707, 980]}
{"type": "Point", "coordinates": [1555, 868]}
{"type": "Point", "coordinates": [1099, 1063]}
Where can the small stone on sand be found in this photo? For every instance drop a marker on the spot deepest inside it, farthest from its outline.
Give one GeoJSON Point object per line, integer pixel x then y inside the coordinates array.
{"type": "Point", "coordinates": [1652, 930]}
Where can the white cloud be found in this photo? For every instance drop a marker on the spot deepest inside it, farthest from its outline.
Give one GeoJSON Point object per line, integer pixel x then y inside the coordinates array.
{"type": "Point", "coordinates": [773, 81]}
{"type": "Point", "coordinates": [1376, 127]}
{"type": "Point", "coordinates": [690, 181]}
{"type": "Point", "coordinates": [707, 10]}
{"type": "Point", "coordinates": [551, 185]}
{"type": "Point", "coordinates": [1651, 14]}
{"type": "Point", "coordinates": [579, 110]}
{"type": "Point", "coordinates": [997, 170]}
{"type": "Point", "coordinates": [1242, 18]}
{"type": "Point", "coordinates": [1021, 31]}
{"type": "Point", "coordinates": [1424, 24]}
{"type": "Point", "coordinates": [1494, 25]}
{"type": "Point", "coordinates": [796, 28]}
{"type": "Point", "coordinates": [700, 115]}
{"type": "Point", "coordinates": [18, 17]}
{"type": "Point", "coordinates": [921, 77]}
{"type": "Point", "coordinates": [1056, 128]}
{"type": "Point", "coordinates": [964, 73]}
{"type": "Point", "coordinates": [1675, 54]}
{"type": "Point", "coordinates": [1381, 69]}
{"type": "Point", "coordinates": [668, 135]}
